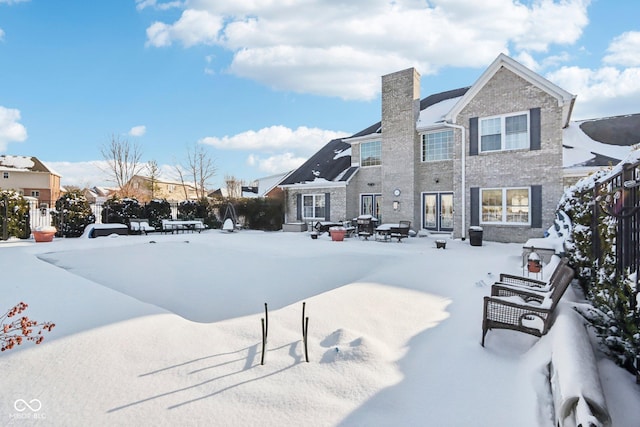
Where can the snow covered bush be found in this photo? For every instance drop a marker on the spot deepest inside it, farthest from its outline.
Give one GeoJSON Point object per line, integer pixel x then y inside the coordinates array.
{"type": "Point", "coordinates": [190, 209]}
{"type": "Point", "coordinates": [18, 218]}
{"type": "Point", "coordinates": [614, 314]}
{"type": "Point", "coordinates": [118, 211]}
{"type": "Point", "coordinates": [72, 214]}
{"type": "Point", "coordinates": [15, 331]}
{"type": "Point", "coordinates": [157, 210]}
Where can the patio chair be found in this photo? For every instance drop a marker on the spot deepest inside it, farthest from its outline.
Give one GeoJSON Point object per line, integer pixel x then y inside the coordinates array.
{"type": "Point", "coordinates": [365, 228]}
{"type": "Point", "coordinates": [526, 311]}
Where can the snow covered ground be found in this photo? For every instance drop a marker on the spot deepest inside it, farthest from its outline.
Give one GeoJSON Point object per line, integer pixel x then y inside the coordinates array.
{"type": "Point", "coordinates": [166, 330]}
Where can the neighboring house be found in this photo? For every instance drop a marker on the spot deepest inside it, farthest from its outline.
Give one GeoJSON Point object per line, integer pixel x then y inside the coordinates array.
{"type": "Point", "coordinates": [29, 177]}
{"type": "Point", "coordinates": [146, 189]}
{"type": "Point", "coordinates": [489, 155]}
{"type": "Point", "coordinates": [98, 194]}
{"type": "Point", "coordinates": [266, 187]}
{"type": "Point", "coordinates": [590, 145]}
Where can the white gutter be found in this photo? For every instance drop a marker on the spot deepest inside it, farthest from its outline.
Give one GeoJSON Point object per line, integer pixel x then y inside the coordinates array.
{"type": "Point", "coordinates": [463, 176]}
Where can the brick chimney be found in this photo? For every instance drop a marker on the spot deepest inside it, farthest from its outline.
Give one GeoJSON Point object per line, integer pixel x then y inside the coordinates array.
{"type": "Point", "coordinates": [400, 147]}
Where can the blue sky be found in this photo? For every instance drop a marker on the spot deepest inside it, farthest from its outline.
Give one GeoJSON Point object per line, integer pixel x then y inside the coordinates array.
{"type": "Point", "coordinates": [262, 84]}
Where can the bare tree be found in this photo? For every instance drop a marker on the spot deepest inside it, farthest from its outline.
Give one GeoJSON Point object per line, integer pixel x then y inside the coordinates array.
{"type": "Point", "coordinates": [200, 167]}
{"type": "Point", "coordinates": [123, 162]}
{"type": "Point", "coordinates": [234, 186]}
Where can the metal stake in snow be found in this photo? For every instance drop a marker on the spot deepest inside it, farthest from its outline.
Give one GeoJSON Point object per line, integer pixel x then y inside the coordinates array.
{"type": "Point", "coordinates": [265, 330]}
{"type": "Point", "coordinates": [305, 329]}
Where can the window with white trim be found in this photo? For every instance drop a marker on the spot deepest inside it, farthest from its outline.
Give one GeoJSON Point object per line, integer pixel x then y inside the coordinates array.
{"type": "Point", "coordinates": [437, 146]}
{"type": "Point", "coordinates": [5, 175]}
{"type": "Point", "coordinates": [313, 206]}
{"type": "Point", "coordinates": [35, 193]}
{"type": "Point", "coordinates": [504, 132]}
{"type": "Point", "coordinates": [371, 153]}
{"type": "Point", "coordinates": [505, 205]}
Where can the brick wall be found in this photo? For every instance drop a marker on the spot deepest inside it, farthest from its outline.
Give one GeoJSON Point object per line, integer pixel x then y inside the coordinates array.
{"type": "Point", "coordinates": [506, 92]}
{"type": "Point", "coordinates": [400, 147]}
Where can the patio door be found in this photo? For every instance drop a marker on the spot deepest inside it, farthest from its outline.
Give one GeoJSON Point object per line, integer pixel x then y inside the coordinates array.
{"type": "Point", "coordinates": [437, 211]}
{"type": "Point", "coordinates": [370, 205]}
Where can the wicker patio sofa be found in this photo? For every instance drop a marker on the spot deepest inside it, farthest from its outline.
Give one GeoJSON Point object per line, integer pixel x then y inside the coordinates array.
{"type": "Point", "coordinates": [522, 310]}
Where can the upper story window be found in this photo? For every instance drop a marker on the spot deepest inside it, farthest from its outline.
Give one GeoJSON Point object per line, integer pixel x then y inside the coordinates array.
{"type": "Point", "coordinates": [5, 175]}
{"type": "Point", "coordinates": [313, 205]}
{"type": "Point", "coordinates": [437, 146]}
{"type": "Point", "coordinates": [504, 132]}
{"type": "Point", "coordinates": [35, 193]}
{"type": "Point", "coordinates": [505, 205]}
{"type": "Point", "coordinates": [171, 188]}
{"type": "Point", "coordinates": [371, 153]}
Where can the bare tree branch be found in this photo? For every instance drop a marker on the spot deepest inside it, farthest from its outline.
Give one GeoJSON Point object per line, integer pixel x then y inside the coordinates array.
{"type": "Point", "coordinates": [123, 160]}
{"type": "Point", "coordinates": [201, 168]}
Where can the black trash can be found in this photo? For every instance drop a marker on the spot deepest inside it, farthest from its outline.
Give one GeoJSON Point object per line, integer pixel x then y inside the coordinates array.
{"type": "Point", "coordinates": [475, 236]}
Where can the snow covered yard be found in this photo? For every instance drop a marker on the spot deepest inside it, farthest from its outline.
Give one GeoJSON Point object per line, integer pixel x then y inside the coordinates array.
{"type": "Point", "coordinates": [165, 330]}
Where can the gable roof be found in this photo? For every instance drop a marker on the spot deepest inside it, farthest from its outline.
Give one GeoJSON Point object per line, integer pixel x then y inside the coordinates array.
{"type": "Point", "coordinates": [600, 142]}
{"type": "Point", "coordinates": [23, 164]}
{"type": "Point", "coordinates": [565, 99]}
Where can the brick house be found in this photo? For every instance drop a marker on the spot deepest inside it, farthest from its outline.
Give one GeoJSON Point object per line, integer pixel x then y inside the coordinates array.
{"type": "Point", "coordinates": [488, 155]}
{"type": "Point", "coordinates": [29, 177]}
{"type": "Point", "coordinates": [173, 191]}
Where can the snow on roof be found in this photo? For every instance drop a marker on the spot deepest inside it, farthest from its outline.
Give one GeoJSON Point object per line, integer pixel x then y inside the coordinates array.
{"type": "Point", "coordinates": [580, 150]}
{"type": "Point", "coordinates": [21, 163]}
{"type": "Point", "coordinates": [435, 113]}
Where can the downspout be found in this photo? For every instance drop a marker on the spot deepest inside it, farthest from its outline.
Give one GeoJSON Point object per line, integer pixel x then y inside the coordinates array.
{"type": "Point", "coordinates": [463, 176]}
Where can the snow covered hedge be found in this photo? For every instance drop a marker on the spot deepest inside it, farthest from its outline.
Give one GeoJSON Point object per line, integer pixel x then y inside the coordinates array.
{"type": "Point", "coordinates": [189, 210]}
{"type": "Point", "coordinates": [72, 214]}
{"type": "Point", "coordinates": [614, 313]}
{"type": "Point", "coordinates": [17, 210]}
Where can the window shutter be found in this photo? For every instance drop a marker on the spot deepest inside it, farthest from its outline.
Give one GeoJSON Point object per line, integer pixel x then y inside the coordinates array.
{"type": "Point", "coordinates": [534, 129]}
{"type": "Point", "coordinates": [475, 206]}
{"type": "Point", "coordinates": [327, 206]}
{"type": "Point", "coordinates": [473, 136]}
{"type": "Point", "coordinates": [299, 207]}
{"type": "Point", "coordinates": [536, 206]}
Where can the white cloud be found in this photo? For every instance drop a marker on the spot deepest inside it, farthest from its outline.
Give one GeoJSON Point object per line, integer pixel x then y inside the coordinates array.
{"type": "Point", "coordinates": [10, 2]}
{"type": "Point", "coordinates": [276, 164]}
{"type": "Point", "coordinates": [194, 27]}
{"type": "Point", "coordinates": [143, 4]}
{"type": "Point", "coordinates": [302, 140]}
{"type": "Point", "coordinates": [606, 91]}
{"type": "Point", "coordinates": [341, 51]}
{"type": "Point", "coordinates": [624, 50]}
{"type": "Point", "coordinates": [1, 35]}
{"type": "Point", "coordinates": [10, 128]}
{"type": "Point", "coordinates": [138, 130]}
{"type": "Point", "coordinates": [82, 174]}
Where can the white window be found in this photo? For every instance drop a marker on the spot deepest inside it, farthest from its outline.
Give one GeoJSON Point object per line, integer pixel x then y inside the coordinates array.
{"type": "Point", "coordinates": [504, 132]}
{"type": "Point", "coordinates": [5, 175]}
{"type": "Point", "coordinates": [171, 188]}
{"type": "Point", "coordinates": [35, 193]}
{"type": "Point", "coordinates": [313, 206]}
{"type": "Point", "coordinates": [437, 146]}
{"type": "Point", "coordinates": [505, 206]}
{"type": "Point", "coordinates": [371, 153]}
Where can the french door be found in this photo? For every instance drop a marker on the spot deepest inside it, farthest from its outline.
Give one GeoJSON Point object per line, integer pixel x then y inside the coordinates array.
{"type": "Point", "coordinates": [370, 205]}
{"type": "Point", "coordinates": [437, 213]}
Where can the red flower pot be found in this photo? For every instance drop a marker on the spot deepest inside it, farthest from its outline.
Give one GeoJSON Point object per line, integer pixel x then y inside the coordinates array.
{"type": "Point", "coordinates": [43, 236]}
{"type": "Point", "coordinates": [337, 235]}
